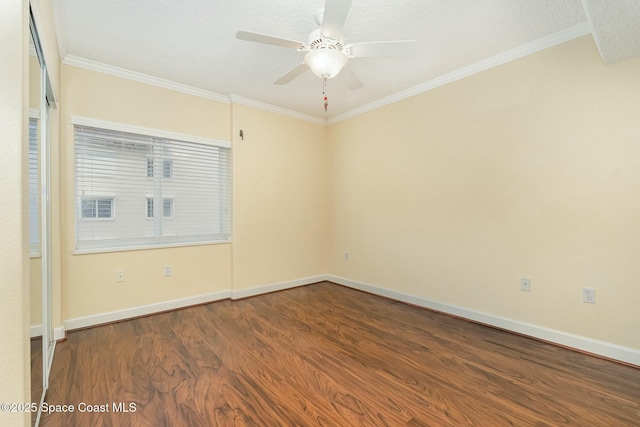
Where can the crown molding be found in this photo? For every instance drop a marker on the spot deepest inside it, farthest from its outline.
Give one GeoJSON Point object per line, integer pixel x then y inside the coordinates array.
{"type": "Point", "coordinates": [142, 78]}
{"type": "Point", "coordinates": [190, 90]}
{"type": "Point", "coordinates": [502, 58]}
{"type": "Point", "coordinates": [235, 99]}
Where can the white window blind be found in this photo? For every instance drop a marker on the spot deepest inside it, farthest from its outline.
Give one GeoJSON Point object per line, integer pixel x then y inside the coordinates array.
{"type": "Point", "coordinates": [135, 190]}
{"type": "Point", "coordinates": [34, 187]}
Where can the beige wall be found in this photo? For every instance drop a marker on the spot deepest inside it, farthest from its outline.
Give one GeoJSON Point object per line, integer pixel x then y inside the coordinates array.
{"type": "Point", "coordinates": [89, 280]}
{"type": "Point", "coordinates": [530, 169]}
{"type": "Point", "coordinates": [281, 200]}
{"type": "Point", "coordinates": [90, 286]}
{"type": "Point", "coordinates": [34, 83]}
{"type": "Point", "coordinates": [14, 253]}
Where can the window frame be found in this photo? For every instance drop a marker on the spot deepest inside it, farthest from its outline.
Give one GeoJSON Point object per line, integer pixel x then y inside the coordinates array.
{"type": "Point", "coordinates": [166, 162]}
{"type": "Point", "coordinates": [150, 203]}
{"type": "Point", "coordinates": [97, 200]}
{"type": "Point", "coordinates": [168, 199]}
{"type": "Point", "coordinates": [150, 167]}
{"type": "Point", "coordinates": [222, 231]}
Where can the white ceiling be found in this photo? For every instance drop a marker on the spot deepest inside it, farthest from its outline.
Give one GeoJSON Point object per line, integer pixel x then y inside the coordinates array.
{"type": "Point", "coordinates": [192, 42]}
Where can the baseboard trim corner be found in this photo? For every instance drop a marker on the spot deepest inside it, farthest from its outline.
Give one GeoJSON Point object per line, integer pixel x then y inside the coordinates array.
{"type": "Point", "coordinates": [599, 348]}
{"type": "Point", "coordinates": [274, 287]}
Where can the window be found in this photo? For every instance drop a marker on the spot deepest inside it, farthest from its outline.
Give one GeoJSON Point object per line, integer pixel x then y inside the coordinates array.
{"type": "Point", "coordinates": [159, 168]}
{"type": "Point", "coordinates": [97, 208]}
{"type": "Point", "coordinates": [149, 207]}
{"type": "Point", "coordinates": [34, 189]}
{"type": "Point", "coordinates": [167, 208]}
{"type": "Point", "coordinates": [149, 167]}
{"type": "Point", "coordinates": [167, 169]}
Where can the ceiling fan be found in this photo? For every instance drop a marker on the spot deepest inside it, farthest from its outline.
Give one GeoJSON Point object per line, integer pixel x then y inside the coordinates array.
{"type": "Point", "coordinates": [327, 53]}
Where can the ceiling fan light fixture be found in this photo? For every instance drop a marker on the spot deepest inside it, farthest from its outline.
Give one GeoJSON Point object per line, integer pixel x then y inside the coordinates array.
{"type": "Point", "coordinates": [325, 63]}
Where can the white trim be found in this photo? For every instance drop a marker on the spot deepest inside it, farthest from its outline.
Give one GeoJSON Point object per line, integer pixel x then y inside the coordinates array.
{"type": "Point", "coordinates": [104, 124]}
{"type": "Point", "coordinates": [235, 99]}
{"type": "Point", "coordinates": [589, 345]}
{"type": "Point", "coordinates": [35, 331]}
{"type": "Point", "coordinates": [132, 312]}
{"type": "Point", "coordinates": [128, 313]}
{"type": "Point", "coordinates": [99, 67]}
{"type": "Point", "coordinates": [111, 70]}
{"type": "Point", "coordinates": [500, 59]}
{"type": "Point", "coordinates": [273, 287]}
{"type": "Point", "coordinates": [106, 249]}
{"type": "Point", "coordinates": [602, 348]}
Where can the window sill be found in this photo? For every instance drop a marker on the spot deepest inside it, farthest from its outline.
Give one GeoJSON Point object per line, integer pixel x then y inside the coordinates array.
{"type": "Point", "coordinates": [148, 247]}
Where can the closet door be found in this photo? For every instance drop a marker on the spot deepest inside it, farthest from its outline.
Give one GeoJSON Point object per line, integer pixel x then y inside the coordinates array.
{"type": "Point", "coordinates": [41, 100]}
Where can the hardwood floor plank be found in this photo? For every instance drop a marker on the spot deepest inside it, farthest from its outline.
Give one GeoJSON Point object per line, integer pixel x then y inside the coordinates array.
{"type": "Point", "coordinates": [395, 357]}
{"type": "Point", "coordinates": [36, 374]}
{"type": "Point", "coordinates": [325, 355]}
{"type": "Point", "coordinates": [270, 358]}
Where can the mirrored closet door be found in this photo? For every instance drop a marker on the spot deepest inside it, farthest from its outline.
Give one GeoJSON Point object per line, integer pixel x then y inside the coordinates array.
{"type": "Point", "coordinates": [40, 101]}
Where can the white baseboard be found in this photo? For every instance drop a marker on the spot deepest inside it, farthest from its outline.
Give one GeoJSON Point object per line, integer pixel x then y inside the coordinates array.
{"type": "Point", "coordinates": [128, 313]}
{"type": "Point", "coordinates": [601, 348]}
{"type": "Point", "coordinates": [35, 331]}
{"type": "Point", "coordinates": [244, 293]}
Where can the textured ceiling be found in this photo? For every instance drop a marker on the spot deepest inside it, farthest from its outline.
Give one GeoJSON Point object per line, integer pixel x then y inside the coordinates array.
{"type": "Point", "coordinates": [616, 26]}
{"type": "Point", "coordinates": [192, 42]}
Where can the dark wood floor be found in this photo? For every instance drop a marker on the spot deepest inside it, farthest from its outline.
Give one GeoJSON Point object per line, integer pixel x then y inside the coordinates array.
{"type": "Point", "coordinates": [36, 374]}
{"type": "Point", "coordinates": [327, 355]}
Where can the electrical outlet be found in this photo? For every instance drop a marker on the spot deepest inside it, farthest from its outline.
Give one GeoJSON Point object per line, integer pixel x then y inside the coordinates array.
{"type": "Point", "coordinates": [120, 276]}
{"type": "Point", "coordinates": [346, 256]}
{"type": "Point", "coordinates": [167, 270]}
{"type": "Point", "coordinates": [589, 295]}
{"type": "Point", "coordinates": [525, 284]}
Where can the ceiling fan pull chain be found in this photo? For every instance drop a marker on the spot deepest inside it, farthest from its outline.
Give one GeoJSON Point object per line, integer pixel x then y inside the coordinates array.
{"type": "Point", "coordinates": [324, 92]}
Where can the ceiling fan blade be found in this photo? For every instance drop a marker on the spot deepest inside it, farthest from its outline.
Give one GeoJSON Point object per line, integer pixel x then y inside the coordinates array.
{"type": "Point", "coordinates": [391, 48]}
{"type": "Point", "coordinates": [335, 14]}
{"type": "Point", "coordinates": [352, 81]}
{"type": "Point", "coordinates": [261, 38]}
{"type": "Point", "coordinates": [292, 74]}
